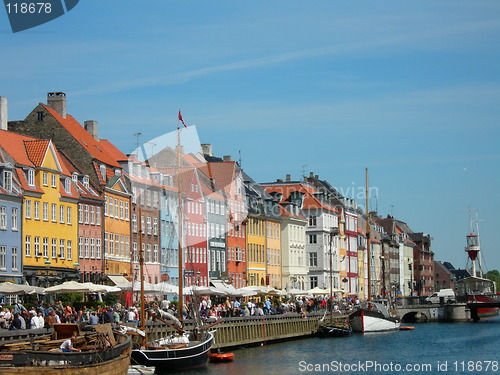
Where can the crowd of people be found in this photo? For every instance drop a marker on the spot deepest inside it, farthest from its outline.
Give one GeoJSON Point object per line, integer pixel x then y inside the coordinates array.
{"type": "Point", "coordinates": [44, 315]}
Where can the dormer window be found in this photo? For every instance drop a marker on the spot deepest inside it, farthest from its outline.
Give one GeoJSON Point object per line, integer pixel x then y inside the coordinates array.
{"type": "Point", "coordinates": [86, 181]}
{"type": "Point", "coordinates": [7, 180]}
{"type": "Point", "coordinates": [117, 172]}
{"type": "Point", "coordinates": [31, 177]}
{"type": "Point", "coordinates": [74, 177]}
{"type": "Point", "coordinates": [103, 171]}
{"type": "Point", "coordinates": [53, 178]}
{"type": "Point", "coordinates": [67, 185]}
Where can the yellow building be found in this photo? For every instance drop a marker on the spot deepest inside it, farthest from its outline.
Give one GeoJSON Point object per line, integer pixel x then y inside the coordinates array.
{"type": "Point", "coordinates": [256, 251]}
{"type": "Point", "coordinates": [117, 228]}
{"type": "Point", "coordinates": [49, 225]}
{"type": "Point", "coordinates": [273, 247]}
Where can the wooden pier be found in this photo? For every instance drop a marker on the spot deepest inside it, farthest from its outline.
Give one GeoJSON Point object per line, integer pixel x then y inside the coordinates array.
{"type": "Point", "coordinates": [255, 330]}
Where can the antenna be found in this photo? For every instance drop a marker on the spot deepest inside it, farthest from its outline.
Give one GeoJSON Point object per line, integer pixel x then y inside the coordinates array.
{"type": "Point", "coordinates": [304, 170]}
{"type": "Point", "coordinates": [239, 158]}
{"type": "Point", "coordinates": [137, 135]}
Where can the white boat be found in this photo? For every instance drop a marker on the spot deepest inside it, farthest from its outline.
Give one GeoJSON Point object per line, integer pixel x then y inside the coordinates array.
{"type": "Point", "coordinates": [376, 319]}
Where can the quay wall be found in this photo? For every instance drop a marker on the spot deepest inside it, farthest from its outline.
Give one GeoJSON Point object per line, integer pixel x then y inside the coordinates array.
{"type": "Point", "coordinates": [254, 330]}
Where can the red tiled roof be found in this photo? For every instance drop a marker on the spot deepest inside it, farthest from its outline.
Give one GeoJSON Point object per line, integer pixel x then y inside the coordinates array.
{"type": "Point", "coordinates": [13, 144]}
{"type": "Point", "coordinates": [310, 201]}
{"type": "Point", "coordinates": [112, 150]}
{"type": "Point", "coordinates": [36, 150]}
{"type": "Point", "coordinates": [93, 146]}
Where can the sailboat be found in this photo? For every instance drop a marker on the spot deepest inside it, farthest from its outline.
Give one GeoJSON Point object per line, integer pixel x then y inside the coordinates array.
{"type": "Point", "coordinates": [332, 329]}
{"type": "Point", "coordinates": [184, 350]}
{"type": "Point", "coordinates": [376, 317]}
{"type": "Point", "coordinates": [476, 288]}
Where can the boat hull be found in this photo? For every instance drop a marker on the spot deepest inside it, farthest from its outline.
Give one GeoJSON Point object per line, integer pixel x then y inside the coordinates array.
{"type": "Point", "coordinates": [372, 321]}
{"type": "Point", "coordinates": [176, 359]}
{"type": "Point", "coordinates": [333, 331]}
{"type": "Point", "coordinates": [116, 366]}
{"type": "Point", "coordinates": [483, 312]}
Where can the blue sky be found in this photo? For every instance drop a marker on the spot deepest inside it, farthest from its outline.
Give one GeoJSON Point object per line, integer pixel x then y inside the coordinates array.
{"type": "Point", "coordinates": [409, 90]}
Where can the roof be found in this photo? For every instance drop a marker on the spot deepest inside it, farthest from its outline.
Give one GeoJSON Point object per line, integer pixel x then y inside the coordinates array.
{"type": "Point", "coordinates": [91, 145]}
{"type": "Point", "coordinates": [112, 150]}
{"type": "Point", "coordinates": [13, 144]}
{"type": "Point", "coordinates": [310, 200]}
{"type": "Point", "coordinates": [36, 150]}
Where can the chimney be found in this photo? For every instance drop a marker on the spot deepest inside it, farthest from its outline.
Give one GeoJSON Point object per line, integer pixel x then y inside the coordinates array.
{"type": "Point", "coordinates": [91, 127]}
{"type": "Point", "coordinates": [288, 178]}
{"type": "Point", "coordinates": [311, 174]}
{"type": "Point", "coordinates": [207, 149]}
{"type": "Point", "coordinates": [227, 158]}
{"type": "Point", "coordinates": [57, 101]}
{"type": "Point", "coordinates": [3, 113]}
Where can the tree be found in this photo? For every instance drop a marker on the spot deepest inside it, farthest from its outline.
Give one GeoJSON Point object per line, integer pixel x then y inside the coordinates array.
{"type": "Point", "coordinates": [494, 275]}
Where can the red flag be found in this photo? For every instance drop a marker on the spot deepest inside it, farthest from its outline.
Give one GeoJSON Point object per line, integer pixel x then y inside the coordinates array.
{"type": "Point", "coordinates": [179, 116]}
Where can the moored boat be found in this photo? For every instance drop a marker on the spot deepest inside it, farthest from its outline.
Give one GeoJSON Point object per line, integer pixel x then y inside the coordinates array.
{"type": "Point", "coordinates": [334, 331]}
{"type": "Point", "coordinates": [105, 353]}
{"type": "Point", "coordinates": [371, 320]}
{"type": "Point", "coordinates": [220, 357]}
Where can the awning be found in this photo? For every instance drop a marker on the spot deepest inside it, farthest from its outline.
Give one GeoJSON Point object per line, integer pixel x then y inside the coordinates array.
{"type": "Point", "coordinates": [118, 279]}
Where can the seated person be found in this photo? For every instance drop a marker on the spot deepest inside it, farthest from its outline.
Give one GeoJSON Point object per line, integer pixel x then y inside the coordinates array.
{"type": "Point", "coordinates": [67, 346]}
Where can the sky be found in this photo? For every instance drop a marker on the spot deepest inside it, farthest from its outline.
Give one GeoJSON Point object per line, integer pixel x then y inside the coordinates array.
{"type": "Point", "coordinates": [409, 90]}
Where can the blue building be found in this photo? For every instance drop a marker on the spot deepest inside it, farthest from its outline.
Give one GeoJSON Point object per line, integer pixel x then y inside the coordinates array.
{"type": "Point", "coordinates": [10, 222]}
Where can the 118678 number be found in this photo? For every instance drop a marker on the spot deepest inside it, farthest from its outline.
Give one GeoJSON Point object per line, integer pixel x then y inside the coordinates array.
{"type": "Point", "coordinates": [31, 8]}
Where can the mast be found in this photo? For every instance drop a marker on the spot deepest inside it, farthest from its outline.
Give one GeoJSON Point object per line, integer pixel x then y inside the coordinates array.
{"type": "Point", "coordinates": [141, 275]}
{"type": "Point", "coordinates": [180, 225]}
{"type": "Point", "coordinates": [473, 248]}
{"type": "Point", "coordinates": [368, 238]}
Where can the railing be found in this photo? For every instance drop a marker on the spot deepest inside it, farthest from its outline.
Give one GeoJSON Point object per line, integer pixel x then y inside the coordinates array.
{"type": "Point", "coordinates": [236, 331]}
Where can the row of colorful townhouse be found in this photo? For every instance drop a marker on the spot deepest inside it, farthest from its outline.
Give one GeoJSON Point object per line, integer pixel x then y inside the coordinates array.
{"type": "Point", "coordinates": [73, 206]}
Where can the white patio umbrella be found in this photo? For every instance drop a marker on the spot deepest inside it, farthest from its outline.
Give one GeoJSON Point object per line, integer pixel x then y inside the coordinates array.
{"type": "Point", "coordinates": [70, 287]}
{"type": "Point", "coordinates": [297, 292]}
{"type": "Point", "coordinates": [166, 288]}
{"type": "Point", "coordinates": [10, 288]}
{"type": "Point", "coordinates": [102, 288]}
{"type": "Point", "coordinates": [136, 287]}
{"type": "Point", "coordinates": [318, 291]}
{"type": "Point", "coordinates": [203, 291]}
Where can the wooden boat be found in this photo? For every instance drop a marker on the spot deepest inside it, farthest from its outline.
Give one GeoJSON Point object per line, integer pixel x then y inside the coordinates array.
{"type": "Point", "coordinates": [220, 357]}
{"type": "Point", "coordinates": [371, 320]}
{"type": "Point", "coordinates": [103, 352]}
{"type": "Point", "coordinates": [406, 328]}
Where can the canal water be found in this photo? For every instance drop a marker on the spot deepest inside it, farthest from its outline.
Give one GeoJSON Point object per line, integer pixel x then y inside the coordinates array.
{"type": "Point", "coordinates": [431, 348]}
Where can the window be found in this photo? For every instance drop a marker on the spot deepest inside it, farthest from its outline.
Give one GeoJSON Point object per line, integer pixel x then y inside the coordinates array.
{"type": "Point", "coordinates": [27, 209]}
{"type": "Point", "coordinates": [155, 226]}
{"type": "Point", "coordinates": [37, 247]}
{"type": "Point", "coordinates": [111, 243]}
{"type": "Point", "coordinates": [92, 248]}
{"type": "Point", "coordinates": [155, 253]}
{"type": "Point", "coordinates": [2, 257]}
{"type": "Point", "coordinates": [67, 185]}
{"type": "Point", "coordinates": [98, 216]}
{"type": "Point", "coordinates": [27, 246]}
{"type": "Point", "coordinates": [86, 214]}
{"type": "Point", "coordinates": [116, 209]}
{"type": "Point", "coordinates": [313, 281]}
{"type": "Point", "coordinates": [86, 182]}
{"type": "Point", "coordinates": [86, 248]}
{"type": "Point", "coordinates": [54, 248]}
{"type": "Point", "coordinates": [45, 179]}
{"type": "Point", "coordinates": [14, 258]}
{"type": "Point", "coordinates": [149, 224]}
{"type": "Point", "coordinates": [68, 216]}
{"type": "Point", "coordinates": [31, 177]}
{"type": "Point", "coordinates": [126, 211]}
{"type": "Point", "coordinates": [313, 259]}
{"type": "Point", "coordinates": [148, 198]}
{"type": "Point", "coordinates": [53, 178]}
{"type": "Point", "coordinates": [37, 210]}
{"type": "Point", "coordinates": [92, 215]}
{"type": "Point", "coordinates": [3, 218]}
{"type": "Point", "coordinates": [39, 116]}
{"type": "Point", "coordinates": [134, 223]}
{"type": "Point", "coordinates": [105, 206]}
{"type": "Point", "coordinates": [80, 247]}
{"type": "Point", "coordinates": [148, 256]}
{"type": "Point", "coordinates": [53, 212]}
{"type": "Point", "coordinates": [80, 213]}
{"type": "Point", "coordinates": [61, 214]}
{"type": "Point", "coordinates": [7, 180]}
{"type": "Point", "coordinates": [45, 247]}
{"type": "Point", "coordinates": [312, 221]}
{"type": "Point", "coordinates": [61, 248]}
{"type": "Point", "coordinates": [45, 211]}
{"type": "Point", "coordinates": [69, 249]}
{"type": "Point", "coordinates": [98, 248]}
{"type": "Point", "coordinates": [121, 210]}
